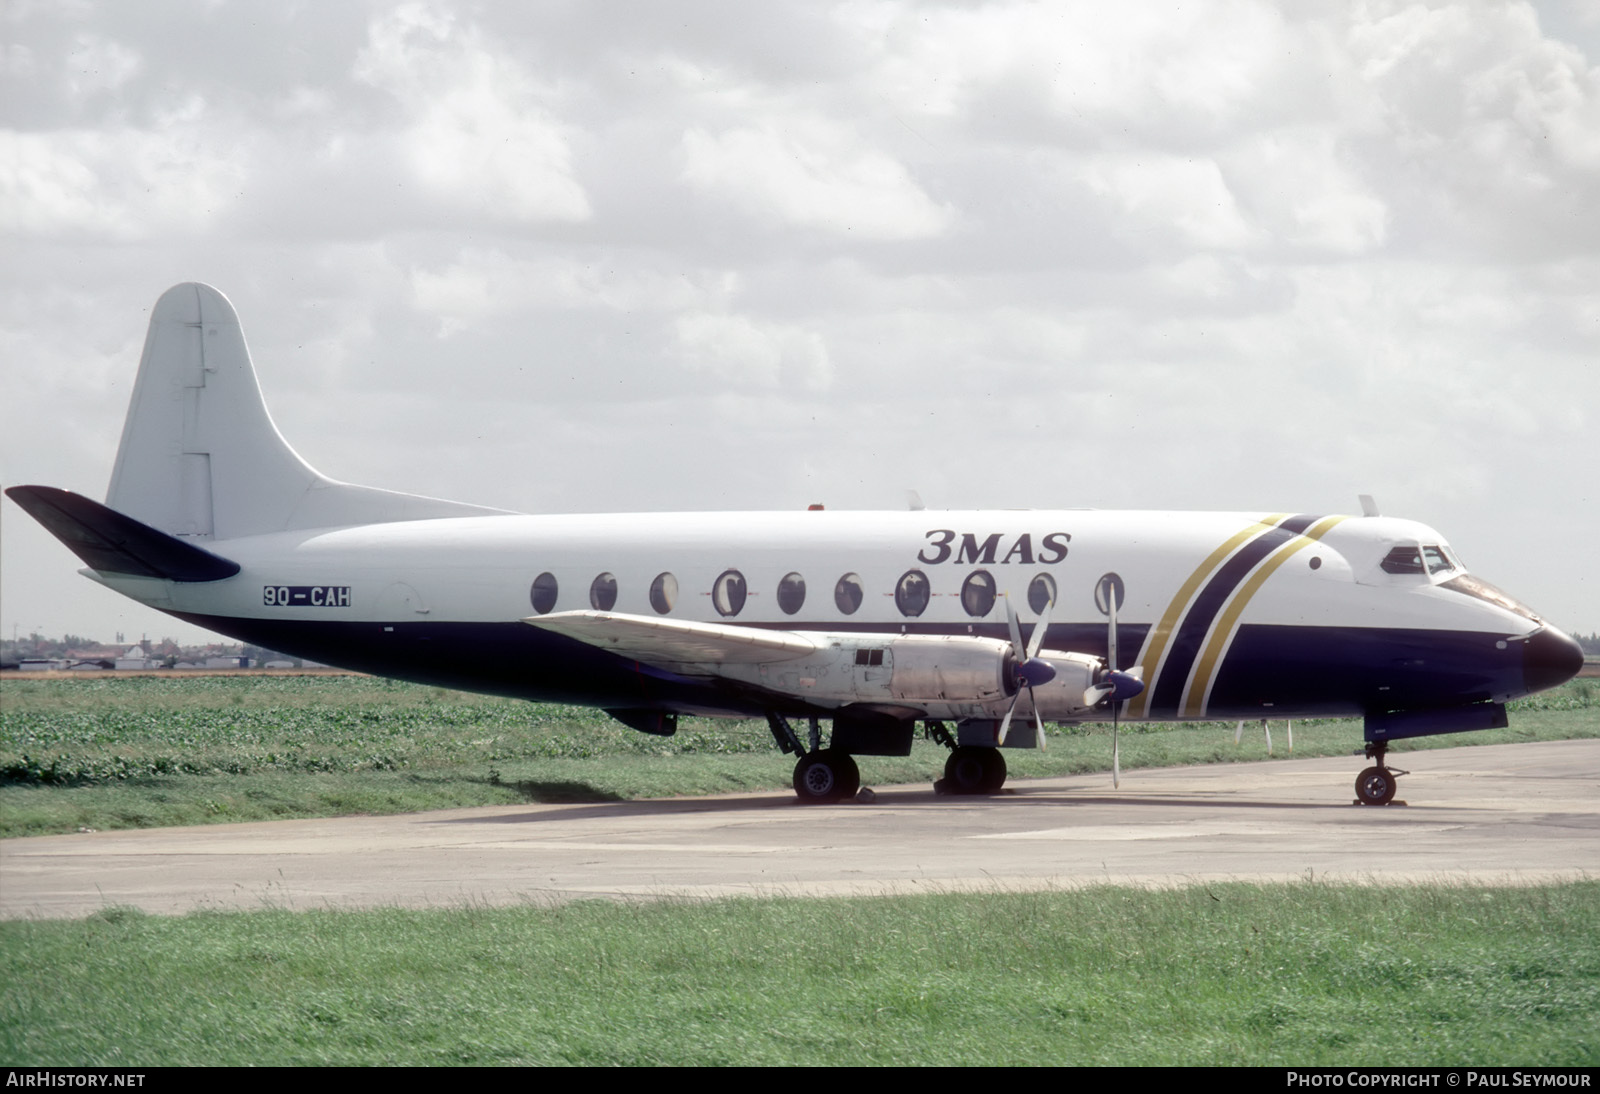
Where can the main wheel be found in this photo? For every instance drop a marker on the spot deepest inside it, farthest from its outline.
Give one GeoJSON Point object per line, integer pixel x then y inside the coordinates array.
{"type": "Point", "coordinates": [1376, 786]}
{"type": "Point", "coordinates": [826, 776]}
{"type": "Point", "coordinates": [972, 770]}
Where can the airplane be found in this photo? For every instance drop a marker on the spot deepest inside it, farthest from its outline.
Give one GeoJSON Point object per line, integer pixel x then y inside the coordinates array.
{"type": "Point", "coordinates": [873, 621]}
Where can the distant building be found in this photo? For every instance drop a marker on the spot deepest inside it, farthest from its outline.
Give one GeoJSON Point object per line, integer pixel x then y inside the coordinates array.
{"type": "Point", "coordinates": [135, 658]}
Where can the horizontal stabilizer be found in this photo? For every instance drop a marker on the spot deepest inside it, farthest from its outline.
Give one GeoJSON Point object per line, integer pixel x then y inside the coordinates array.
{"type": "Point", "coordinates": [112, 543]}
{"type": "Point", "coordinates": [675, 642]}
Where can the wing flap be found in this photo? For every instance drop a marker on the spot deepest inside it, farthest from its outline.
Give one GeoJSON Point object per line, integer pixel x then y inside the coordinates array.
{"type": "Point", "coordinates": [675, 643]}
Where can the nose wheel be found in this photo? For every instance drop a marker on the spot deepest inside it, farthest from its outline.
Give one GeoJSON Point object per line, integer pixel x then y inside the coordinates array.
{"type": "Point", "coordinates": [1376, 785]}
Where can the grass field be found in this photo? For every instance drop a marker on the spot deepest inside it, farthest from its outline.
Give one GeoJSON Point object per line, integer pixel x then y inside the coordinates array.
{"type": "Point", "coordinates": [1234, 974]}
{"type": "Point", "coordinates": [132, 751]}
{"type": "Point", "coordinates": [1308, 973]}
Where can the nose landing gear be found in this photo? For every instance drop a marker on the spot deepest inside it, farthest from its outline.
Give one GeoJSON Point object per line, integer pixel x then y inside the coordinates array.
{"type": "Point", "coordinates": [1377, 785]}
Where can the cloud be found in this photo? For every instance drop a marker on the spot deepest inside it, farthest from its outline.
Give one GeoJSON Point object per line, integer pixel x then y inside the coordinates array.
{"type": "Point", "coordinates": [1182, 202]}
{"type": "Point", "coordinates": [747, 353]}
{"type": "Point", "coordinates": [811, 173]}
{"type": "Point", "coordinates": [118, 183]}
{"type": "Point", "coordinates": [484, 285]}
{"type": "Point", "coordinates": [1295, 186]}
{"type": "Point", "coordinates": [478, 132]}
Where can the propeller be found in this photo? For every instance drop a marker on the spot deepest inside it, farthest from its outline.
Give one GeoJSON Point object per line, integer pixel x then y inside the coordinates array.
{"type": "Point", "coordinates": [1031, 669]}
{"type": "Point", "coordinates": [1113, 684]}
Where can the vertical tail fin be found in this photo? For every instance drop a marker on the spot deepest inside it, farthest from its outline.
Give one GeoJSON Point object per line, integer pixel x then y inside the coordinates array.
{"type": "Point", "coordinates": [200, 456]}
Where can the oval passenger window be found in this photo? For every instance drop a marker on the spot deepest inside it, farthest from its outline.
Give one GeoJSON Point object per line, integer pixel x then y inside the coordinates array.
{"type": "Point", "coordinates": [977, 593]}
{"type": "Point", "coordinates": [663, 593]}
{"type": "Point", "coordinates": [911, 593]}
{"type": "Point", "coordinates": [848, 594]}
{"type": "Point", "coordinates": [791, 593]}
{"type": "Point", "coordinates": [728, 594]}
{"type": "Point", "coordinates": [544, 593]}
{"type": "Point", "coordinates": [1041, 593]}
{"type": "Point", "coordinates": [603, 592]}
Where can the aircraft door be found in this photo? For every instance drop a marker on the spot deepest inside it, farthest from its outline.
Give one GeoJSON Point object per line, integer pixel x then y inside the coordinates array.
{"type": "Point", "coordinates": [401, 602]}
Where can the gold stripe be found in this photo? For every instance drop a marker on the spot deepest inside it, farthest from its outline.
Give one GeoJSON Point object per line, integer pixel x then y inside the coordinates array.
{"type": "Point", "coordinates": [1222, 634]}
{"type": "Point", "coordinates": [1156, 643]}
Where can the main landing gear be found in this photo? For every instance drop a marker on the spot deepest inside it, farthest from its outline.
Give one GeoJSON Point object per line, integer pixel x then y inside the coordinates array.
{"type": "Point", "coordinates": [822, 776]}
{"type": "Point", "coordinates": [1377, 785]}
{"type": "Point", "coordinates": [970, 769]}
{"type": "Point", "coordinates": [825, 776]}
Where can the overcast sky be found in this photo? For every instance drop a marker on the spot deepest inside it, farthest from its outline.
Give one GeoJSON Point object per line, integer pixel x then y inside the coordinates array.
{"type": "Point", "coordinates": [590, 256]}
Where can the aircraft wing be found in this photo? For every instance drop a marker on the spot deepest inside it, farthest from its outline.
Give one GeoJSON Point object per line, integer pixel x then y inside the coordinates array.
{"type": "Point", "coordinates": [675, 643]}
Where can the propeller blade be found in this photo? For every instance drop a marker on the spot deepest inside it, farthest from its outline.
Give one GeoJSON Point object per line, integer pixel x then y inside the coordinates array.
{"type": "Point", "coordinates": [1112, 677]}
{"type": "Point", "coordinates": [1111, 628]}
{"type": "Point", "coordinates": [1116, 754]}
{"type": "Point", "coordinates": [1039, 629]}
{"type": "Point", "coordinates": [1016, 631]}
{"type": "Point", "coordinates": [1038, 726]}
{"type": "Point", "coordinates": [1005, 723]}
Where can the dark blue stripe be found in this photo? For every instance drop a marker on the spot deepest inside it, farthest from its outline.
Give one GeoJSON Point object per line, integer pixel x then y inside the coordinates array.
{"type": "Point", "coordinates": [1185, 645]}
{"type": "Point", "coordinates": [1270, 671]}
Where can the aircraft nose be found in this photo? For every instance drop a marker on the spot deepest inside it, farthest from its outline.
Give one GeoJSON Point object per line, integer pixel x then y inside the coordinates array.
{"type": "Point", "coordinates": [1550, 658]}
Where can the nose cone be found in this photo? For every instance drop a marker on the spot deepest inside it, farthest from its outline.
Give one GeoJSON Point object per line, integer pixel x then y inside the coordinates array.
{"type": "Point", "coordinates": [1550, 658]}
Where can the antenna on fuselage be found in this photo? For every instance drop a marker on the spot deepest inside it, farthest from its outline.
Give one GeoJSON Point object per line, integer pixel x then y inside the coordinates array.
{"type": "Point", "coordinates": [1369, 508]}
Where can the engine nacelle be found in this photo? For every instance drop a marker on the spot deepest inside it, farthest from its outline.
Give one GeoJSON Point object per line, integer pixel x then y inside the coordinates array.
{"type": "Point", "coordinates": [958, 669]}
{"type": "Point", "coordinates": [934, 672]}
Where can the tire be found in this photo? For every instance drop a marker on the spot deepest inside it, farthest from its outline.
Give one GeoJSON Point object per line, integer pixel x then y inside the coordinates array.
{"type": "Point", "coordinates": [967, 771]}
{"type": "Point", "coordinates": [994, 770]}
{"type": "Point", "coordinates": [825, 776]}
{"type": "Point", "coordinates": [1376, 786]}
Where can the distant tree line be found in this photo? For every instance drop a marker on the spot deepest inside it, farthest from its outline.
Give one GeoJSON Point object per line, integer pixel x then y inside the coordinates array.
{"type": "Point", "coordinates": [68, 646]}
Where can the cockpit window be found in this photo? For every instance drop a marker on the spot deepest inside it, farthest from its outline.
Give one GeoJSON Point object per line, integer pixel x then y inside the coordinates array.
{"type": "Point", "coordinates": [1412, 560]}
{"type": "Point", "coordinates": [1402, 560]}
{"type": "Point", "coordinates": [1439, 559]}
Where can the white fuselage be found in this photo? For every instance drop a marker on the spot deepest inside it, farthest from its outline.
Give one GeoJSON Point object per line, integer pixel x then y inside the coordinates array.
{"type": "Point", "coordinates": [1172, 567]}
